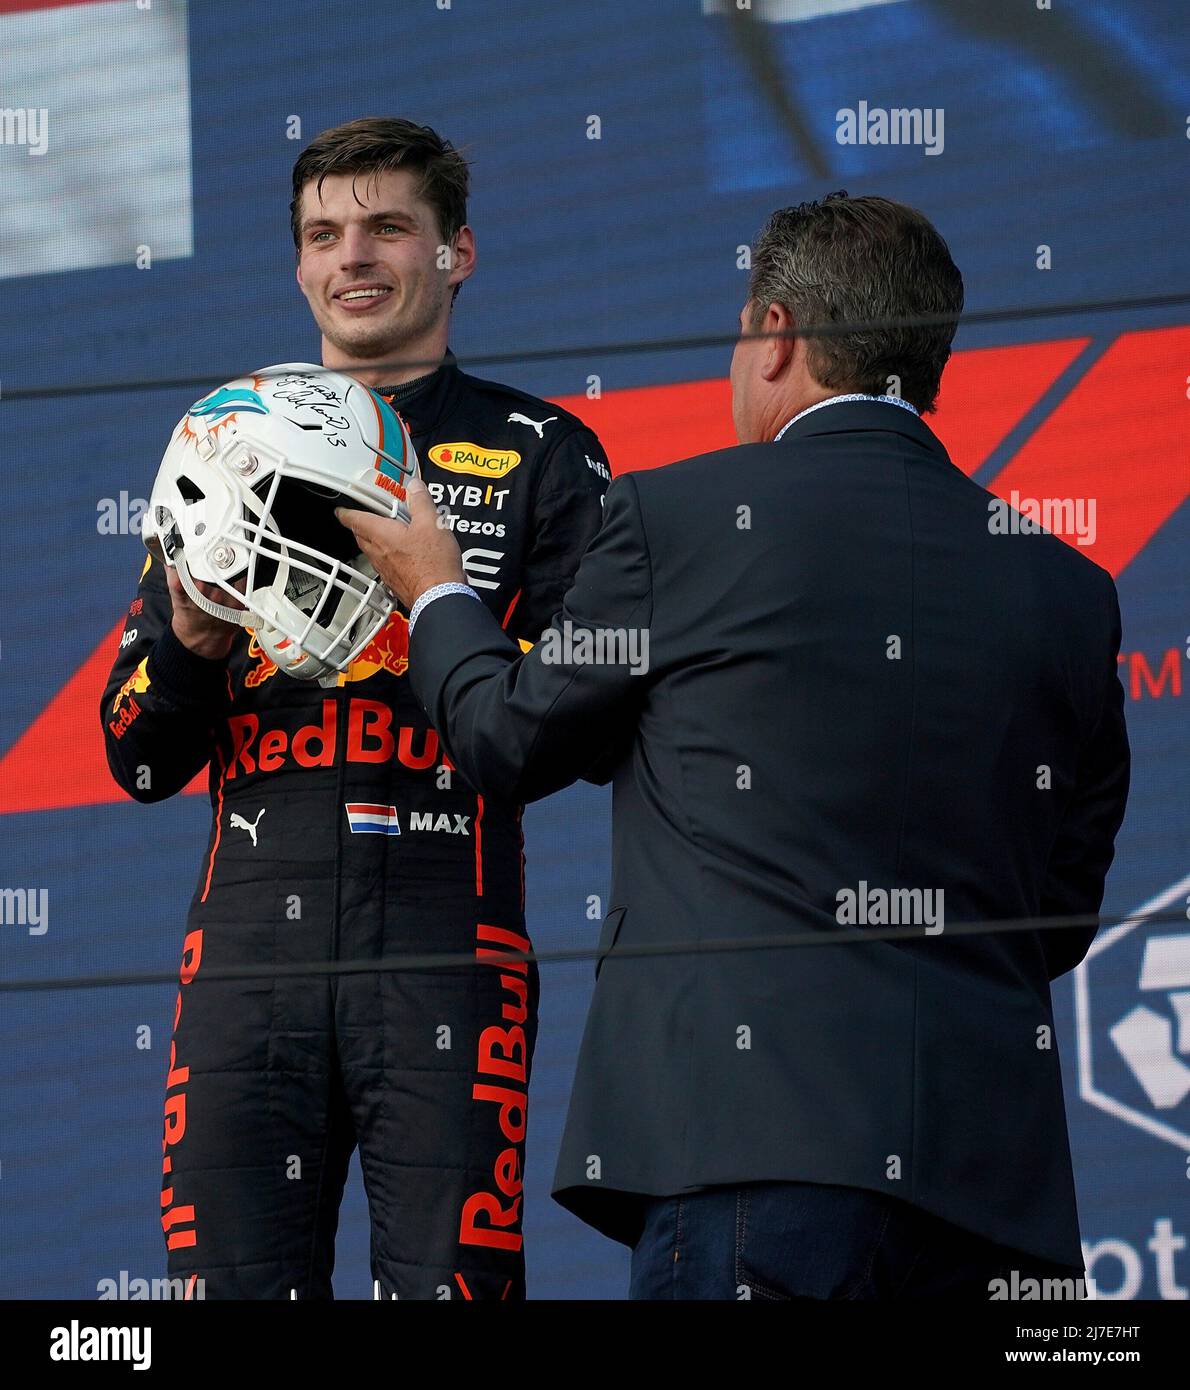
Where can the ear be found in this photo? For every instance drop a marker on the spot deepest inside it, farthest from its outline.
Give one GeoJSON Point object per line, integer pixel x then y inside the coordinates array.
{"type": "Point", "coordinates": [463, 259]}
{"type": "Point", "coordinates": [781, 346]}
{"type": "Point", "coordinates": [298, 272]}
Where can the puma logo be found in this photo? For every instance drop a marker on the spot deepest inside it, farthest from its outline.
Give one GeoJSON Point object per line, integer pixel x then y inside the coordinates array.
{"type": "Point", "coordinates": [239, 823]}
{"type": "Point", "coordinates": [516, 418]}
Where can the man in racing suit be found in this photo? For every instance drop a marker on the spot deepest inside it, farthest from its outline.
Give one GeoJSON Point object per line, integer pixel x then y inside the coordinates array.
{"type": "Point", "coordinates": [341, 833]}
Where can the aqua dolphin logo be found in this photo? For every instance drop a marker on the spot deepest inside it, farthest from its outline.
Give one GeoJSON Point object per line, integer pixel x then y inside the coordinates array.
{"type": "Point", "coordinates": [226, 399]}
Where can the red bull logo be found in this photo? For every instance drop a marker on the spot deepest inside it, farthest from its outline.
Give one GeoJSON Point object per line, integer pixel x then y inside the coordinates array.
{"type": "Point", "coordinates": [387, 651]}
{"type": "Point", "coordinates": [137, 683]}
{"type": "Point", "coordinates": [178, 1219]}
{"type": "Point", "coordinates": [491, 1215]}
{"type": "Point", "coordinates": [125, 707]}
{"type": "Point", "coordinates": [366, 724]}
{"type": "Point", "coordinates": [263, 666]}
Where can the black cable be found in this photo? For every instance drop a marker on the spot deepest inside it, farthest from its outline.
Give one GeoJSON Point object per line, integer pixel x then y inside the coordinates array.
{"type": "Point", "coordinates": [714, 340]}
{"type": "Point", "coordinates": [454, 960]}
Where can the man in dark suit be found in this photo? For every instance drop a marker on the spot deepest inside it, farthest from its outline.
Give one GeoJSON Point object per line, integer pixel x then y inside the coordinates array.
{"type": "Point", "coordinates": [847, 712]}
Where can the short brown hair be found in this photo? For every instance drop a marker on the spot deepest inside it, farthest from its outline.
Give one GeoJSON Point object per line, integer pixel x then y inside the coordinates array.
{"type": "Point", "coordinates": [850, 260]}
{"type": "Point", "coordinates": [375, 145]}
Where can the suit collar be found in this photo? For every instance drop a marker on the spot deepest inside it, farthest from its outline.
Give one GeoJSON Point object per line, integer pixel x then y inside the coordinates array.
{"type": "Point", "coordinates": [852, 416]}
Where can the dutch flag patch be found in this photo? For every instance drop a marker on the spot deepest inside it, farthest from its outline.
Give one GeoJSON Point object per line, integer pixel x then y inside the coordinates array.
{"type": "Point", "coordinates": [366, 819]}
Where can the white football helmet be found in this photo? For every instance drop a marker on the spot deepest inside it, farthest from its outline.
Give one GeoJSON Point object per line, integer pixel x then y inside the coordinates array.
{"type": "Point", "coordinates": [247, 488]}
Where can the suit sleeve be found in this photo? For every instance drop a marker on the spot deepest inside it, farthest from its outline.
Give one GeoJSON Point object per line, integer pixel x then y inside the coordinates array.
{"type": "Point", "coordinates": [1085, 845]}
{"type": "Point", "coordinates": [567, 512]}
{"type": "Point", "coordinates": [161, 703]}
{"type": "Point", "coordinates": [522, 725]}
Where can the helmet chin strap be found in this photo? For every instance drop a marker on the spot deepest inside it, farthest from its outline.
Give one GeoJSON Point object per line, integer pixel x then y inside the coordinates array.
{"type": "Point", "coordinates": [240, 616]}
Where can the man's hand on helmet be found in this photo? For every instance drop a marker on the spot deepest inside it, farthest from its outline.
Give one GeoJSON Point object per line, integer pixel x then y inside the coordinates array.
{"type": "Point", "coordinates": [412, 556]}
{"type": "Point", "coordinates": [204, 635]}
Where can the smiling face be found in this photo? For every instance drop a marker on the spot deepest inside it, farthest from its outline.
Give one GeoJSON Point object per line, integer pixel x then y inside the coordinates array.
{"type": "Point", "coordinates": [371, 265]}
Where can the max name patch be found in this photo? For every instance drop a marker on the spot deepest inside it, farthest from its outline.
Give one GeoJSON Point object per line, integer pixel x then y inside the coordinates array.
{"type": "Point", "coordinates": [474, 458]}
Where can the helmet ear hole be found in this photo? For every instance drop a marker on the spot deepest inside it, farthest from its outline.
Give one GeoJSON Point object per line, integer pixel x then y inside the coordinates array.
{"type": "Point", "coordinates": [190, 490]}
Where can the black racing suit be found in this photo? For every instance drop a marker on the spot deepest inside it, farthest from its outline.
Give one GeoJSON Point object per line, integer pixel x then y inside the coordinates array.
{"type": "Point", "coordinates": [341, 832]}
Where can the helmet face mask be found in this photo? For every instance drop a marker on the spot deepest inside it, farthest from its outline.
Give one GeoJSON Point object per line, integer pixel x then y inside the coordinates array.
{"type": "Point", "coordinates": [247, 490]}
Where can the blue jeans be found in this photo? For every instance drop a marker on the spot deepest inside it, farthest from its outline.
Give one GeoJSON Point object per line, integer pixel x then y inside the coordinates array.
{"type": "Point", "coordinates": [787, 1240]}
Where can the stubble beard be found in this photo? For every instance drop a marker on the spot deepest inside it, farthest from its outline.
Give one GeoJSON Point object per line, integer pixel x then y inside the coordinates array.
{"type": "Point", "coordinates": [388, 342]}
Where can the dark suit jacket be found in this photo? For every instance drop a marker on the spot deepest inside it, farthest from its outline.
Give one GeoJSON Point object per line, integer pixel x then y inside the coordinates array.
{"type": "Point", "coordinates": [852, 681]}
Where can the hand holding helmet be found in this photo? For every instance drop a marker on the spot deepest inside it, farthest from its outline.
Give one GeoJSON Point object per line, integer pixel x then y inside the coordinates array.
{"type": "Point", "coordinates": [194, 627]}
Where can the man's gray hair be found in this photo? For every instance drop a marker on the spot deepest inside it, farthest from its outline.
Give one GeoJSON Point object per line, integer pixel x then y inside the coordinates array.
{"type": "Point", "coordinates": [862, 261]}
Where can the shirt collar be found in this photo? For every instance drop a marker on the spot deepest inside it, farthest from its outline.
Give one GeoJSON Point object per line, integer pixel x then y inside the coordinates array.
{"type": "Point", "coordinates": [835, 400]}
{"type": "Point", "coordinates": [406, 390]}
{"type": "Point", "coordinates": [424, 401]}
